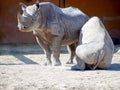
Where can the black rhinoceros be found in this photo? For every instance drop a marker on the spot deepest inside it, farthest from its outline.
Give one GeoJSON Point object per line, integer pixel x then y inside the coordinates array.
{"type": "Point", "coordinates": [52, 26]}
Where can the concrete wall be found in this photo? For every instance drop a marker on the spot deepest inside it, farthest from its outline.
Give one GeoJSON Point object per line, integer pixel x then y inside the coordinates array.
{"type": "Point", "coordinates": [9, 32]}
{"type": "Point", "coordinates": [107, 10]}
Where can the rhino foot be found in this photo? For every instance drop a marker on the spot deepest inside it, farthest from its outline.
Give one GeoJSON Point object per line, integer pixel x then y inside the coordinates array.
{"type": "Point", "coordinates": [69, 62]}
{"type": "Point", "coordinates": [48, 63]}
{"type": "Point", "coordinates": [57, 63]}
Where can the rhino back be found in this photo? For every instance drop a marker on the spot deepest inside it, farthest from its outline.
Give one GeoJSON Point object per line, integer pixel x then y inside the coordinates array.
{"type": "Point", "coordinates": [63, 22]}
{"type": "Point", "coordinates": [72, 23]}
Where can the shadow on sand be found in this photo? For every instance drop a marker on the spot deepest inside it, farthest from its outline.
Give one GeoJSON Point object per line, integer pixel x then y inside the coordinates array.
{"type": "Point", "coordinates": [25, 59]}
{"type": "Point", "coordinates": [22, 58]}
{"type": "Point", "coordinates": [114, 67]}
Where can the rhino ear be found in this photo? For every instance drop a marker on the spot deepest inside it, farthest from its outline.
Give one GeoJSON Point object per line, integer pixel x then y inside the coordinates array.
{"type": "Point", "coordinates": [37, 4]}
{"type": "Point", "coordinates": [23, 6]}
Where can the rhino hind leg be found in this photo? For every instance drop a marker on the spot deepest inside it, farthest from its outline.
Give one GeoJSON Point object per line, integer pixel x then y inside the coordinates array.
{"type": "Point", "coordinates": [71, 50]}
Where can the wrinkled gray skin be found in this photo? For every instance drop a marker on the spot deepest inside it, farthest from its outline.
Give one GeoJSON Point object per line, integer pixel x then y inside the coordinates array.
{"type": "Point", "coordinates": [52, 26]}
{"type": "Point", "coordinates": [96, 47]}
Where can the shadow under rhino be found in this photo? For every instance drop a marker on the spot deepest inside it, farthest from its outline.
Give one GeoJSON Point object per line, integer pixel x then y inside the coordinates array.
{"type": "Point", "coordinates": [114, 67]}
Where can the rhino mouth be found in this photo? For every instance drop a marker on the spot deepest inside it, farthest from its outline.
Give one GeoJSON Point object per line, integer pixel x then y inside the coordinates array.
{"type": "Point", "coordinates": [25, 29]}
{"type": "Point", "coordinates": [28, 29]}
{"type": "Point", "coordinates": [23, 25]}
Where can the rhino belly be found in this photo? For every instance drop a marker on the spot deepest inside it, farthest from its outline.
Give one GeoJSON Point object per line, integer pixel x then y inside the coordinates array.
{"type": "Point", "coordinates": [69, 41]}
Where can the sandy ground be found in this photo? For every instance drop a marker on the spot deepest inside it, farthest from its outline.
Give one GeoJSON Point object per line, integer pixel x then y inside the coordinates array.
{"type": "Point", "coordinates": [25, 71]}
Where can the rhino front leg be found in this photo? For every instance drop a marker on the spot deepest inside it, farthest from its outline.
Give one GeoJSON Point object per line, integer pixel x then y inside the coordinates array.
{"type": "Point", "coordinates": [47, 51]}
{"type": "Point", "coordinates": [71, 50]}
{"type": "Point", "coordinates": [56, 51]}
{"type": "Point", "coordinates": [48, 56]}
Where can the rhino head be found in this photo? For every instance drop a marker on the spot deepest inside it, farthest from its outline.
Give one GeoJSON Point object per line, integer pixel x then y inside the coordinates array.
{"type": "Point", "coordinates": [28, 21]}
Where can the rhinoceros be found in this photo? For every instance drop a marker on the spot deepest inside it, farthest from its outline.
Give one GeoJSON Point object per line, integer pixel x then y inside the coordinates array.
{"type": "Point", "coordinates": [52, 27]}
{"type": "Point", "coordinates": [96, 48]}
